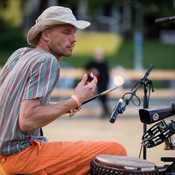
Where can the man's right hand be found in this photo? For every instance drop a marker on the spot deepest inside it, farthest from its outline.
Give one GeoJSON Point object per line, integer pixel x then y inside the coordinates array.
{"type": "Point", "coordinates": [84, 91]}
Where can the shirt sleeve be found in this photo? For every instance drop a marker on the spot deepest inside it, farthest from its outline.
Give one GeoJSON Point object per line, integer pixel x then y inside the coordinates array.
{"type": "Point", "coordinates": [43, 78]}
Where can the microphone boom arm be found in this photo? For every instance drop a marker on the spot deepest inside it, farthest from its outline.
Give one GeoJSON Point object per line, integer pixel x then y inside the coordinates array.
{"type": "Point", "coordinates": [132, 93]}
{"type": "Point", "coordinates": [142, 81]}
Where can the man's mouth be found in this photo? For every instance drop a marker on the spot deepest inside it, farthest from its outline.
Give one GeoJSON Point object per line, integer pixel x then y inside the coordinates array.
{"type": "Point", "coordinates": [71, 46]}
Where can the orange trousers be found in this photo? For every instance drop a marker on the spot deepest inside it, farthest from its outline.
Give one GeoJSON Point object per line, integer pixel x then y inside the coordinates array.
{"type": "Point", "coordinates": [58, 158]}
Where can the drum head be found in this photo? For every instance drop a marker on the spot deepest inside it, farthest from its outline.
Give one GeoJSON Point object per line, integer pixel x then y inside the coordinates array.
{"type": "Point", "coordinates": [113, 164]}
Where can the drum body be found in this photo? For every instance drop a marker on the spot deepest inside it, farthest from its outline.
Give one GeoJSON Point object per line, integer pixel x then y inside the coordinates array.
{"type": "Point", "coordinates": [121, 165]}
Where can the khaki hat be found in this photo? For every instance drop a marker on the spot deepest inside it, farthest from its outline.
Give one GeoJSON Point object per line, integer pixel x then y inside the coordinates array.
{"type": "Point", "coordinates": [53, 16]}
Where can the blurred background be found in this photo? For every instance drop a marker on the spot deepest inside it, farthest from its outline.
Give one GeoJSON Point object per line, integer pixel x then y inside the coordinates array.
{"type": "Point", "coordinates": [131, 40]}
{"type": "Point", "coordinates": [124, 28]}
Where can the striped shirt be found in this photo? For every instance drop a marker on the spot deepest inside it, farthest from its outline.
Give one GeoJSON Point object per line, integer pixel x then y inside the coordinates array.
{"type": "Point", "coordinates": [27, 74]}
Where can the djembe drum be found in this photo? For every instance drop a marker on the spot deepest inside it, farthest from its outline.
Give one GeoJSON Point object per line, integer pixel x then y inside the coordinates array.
{"type": "Point", "coordinates": [121, 165]}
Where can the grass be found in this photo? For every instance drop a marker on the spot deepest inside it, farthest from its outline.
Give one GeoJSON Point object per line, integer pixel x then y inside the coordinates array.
{"type": "Point", "coordinates": [88, 41]}
{"type": "Point", "coordinates": [161, 55]}
{"type": "Point", "coordinates": [154, 52]}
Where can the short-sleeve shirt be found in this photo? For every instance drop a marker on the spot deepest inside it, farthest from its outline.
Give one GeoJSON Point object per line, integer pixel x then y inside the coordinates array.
{"type": "Point", "coordinates": [27, 74]}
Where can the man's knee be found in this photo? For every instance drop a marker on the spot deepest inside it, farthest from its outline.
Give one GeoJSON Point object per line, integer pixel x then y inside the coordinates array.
{"type": "Point", "coordinates": [117, 148]}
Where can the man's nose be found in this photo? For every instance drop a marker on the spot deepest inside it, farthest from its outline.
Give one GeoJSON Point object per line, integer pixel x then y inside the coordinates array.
{"type": "Point", "coordinates": [73, 38]}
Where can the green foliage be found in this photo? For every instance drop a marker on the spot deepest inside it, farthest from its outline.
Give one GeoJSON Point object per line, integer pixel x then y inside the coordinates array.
{"type": "Point", "coordinates": [4, 55]}
{"type": "Point", "coordinates": [10, 38]}
{"type": "Point", "coordinates": [4, 3]}
{"type": "Point", "coordinates": [162, 8]}
{"type": "Point", "coordinates": [97, 6]}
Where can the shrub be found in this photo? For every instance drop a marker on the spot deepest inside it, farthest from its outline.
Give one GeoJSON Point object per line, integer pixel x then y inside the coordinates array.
{"type": "Point", "coordinates": [11, 38]}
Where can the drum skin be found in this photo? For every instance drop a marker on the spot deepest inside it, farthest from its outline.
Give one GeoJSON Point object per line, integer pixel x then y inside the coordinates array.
{"type": "Point", "coordinates": [121, 165]}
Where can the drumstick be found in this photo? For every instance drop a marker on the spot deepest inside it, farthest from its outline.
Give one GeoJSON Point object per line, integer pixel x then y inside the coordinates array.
{"type": "Point", "coordinates": [165, 19]}
{"type": "Point", "coordinates": [95, 96]}
{"type": "Point", "coordinates": [98, 95]}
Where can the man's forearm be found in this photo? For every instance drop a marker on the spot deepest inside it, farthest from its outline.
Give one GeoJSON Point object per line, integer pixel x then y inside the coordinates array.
{"type": "Point", "coordinates": [33, 115]}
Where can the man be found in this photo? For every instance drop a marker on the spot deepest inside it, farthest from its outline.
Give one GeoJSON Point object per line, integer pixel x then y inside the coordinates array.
{"type": "Point", "coordinates": [26, 83]}
{"type": "Point", "coordinates": [99, 67]}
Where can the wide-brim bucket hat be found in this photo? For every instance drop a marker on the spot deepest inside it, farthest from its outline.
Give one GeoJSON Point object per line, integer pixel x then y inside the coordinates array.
{"type": "Point", "coordinates": [54, 15]}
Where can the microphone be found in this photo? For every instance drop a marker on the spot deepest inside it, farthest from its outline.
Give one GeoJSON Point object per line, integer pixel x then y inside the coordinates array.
{"type": "Point", "coordinates": [116, 110]}
{"type": "Point", "coordinates": [165, 19]}
{"type": "Point", "coordinates": [149, 116]}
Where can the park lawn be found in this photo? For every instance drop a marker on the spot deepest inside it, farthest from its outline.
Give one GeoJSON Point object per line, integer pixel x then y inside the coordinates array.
{"type": "Point", "coordinates": [89, 41]}
{"type": "Point", "coordinates": [154, 52]}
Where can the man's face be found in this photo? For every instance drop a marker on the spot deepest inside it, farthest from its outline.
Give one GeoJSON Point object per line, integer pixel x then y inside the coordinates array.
{"type": "Point", "coordinates": [61, 40]}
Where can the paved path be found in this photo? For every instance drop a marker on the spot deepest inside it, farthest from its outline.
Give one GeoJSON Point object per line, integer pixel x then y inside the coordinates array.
{"type": "Point", "coordinates": [93, 108]}
{"type": "Point", "coordinates": [127, 131]}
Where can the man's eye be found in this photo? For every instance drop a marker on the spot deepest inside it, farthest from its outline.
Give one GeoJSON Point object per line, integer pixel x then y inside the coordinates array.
{"type": "Point", "coordinates": [66, 32]}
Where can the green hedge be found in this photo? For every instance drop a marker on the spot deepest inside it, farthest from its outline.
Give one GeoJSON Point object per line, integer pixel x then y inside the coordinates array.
{"type": "Point", "coordinates": [10, 38]}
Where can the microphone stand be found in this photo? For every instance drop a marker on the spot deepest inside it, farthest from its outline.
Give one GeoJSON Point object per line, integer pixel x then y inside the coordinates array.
{"type": "Point", "coordinates": [145, 82]}
{"type": "Point", "coordinates": [145, 105]}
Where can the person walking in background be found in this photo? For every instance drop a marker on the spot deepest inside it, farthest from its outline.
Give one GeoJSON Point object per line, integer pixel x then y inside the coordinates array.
{"type": "Point", "coordinates": [99, 67]}
{"type": "Point", "coordinates": [26, 83]}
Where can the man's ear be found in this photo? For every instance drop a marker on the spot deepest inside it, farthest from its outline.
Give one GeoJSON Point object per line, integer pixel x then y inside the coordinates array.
{"type": "Point", "coordinates": [44, 35]}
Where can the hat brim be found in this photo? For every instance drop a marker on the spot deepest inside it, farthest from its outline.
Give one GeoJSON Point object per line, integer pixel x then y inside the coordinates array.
{"type": "Point", "coordinates": [33, 33]}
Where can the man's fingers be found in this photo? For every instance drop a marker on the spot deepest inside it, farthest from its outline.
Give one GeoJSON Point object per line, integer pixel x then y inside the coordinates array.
{"type": "Point", "coordinates": [84, 79]}
{"type": "Point", "coordinates": [73, 111]}
{"type": "Point", "coordinates": [93, 83]}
